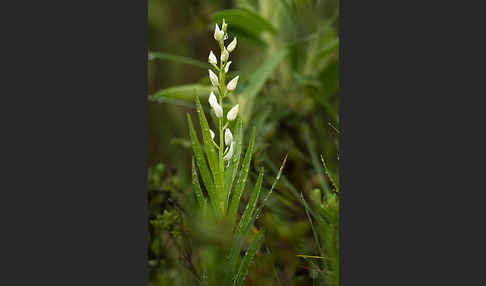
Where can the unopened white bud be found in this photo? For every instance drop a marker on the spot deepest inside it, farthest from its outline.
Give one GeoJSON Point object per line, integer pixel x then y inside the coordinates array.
{"type": "Point", "coordinates": [233, 113]}
{"type": "Point", "coordinates": [229, 154]}
{"type": "Point", "coordinates": [212, 99]}
{"type": "Point", "coordinates": [218, 34]}
{"type": "Point", "coordinates": [212, 59]}
{"type": "Point", "coordinates": [226, 67]}
{"type": "Point", "coordinates": [228, 137]}
{"type": "Point", "coordinates": [224, 55]}
{"type": "Point", "coordinates": [214, 78]}
{"type": "Point", "coordinates": [224, 26]}
{"type": "Point", "coordinates": [212, 133]}
{"type": "Point", "coordinates": [232, 84]}
{"type": "Point", "coordinates": [217, 110]}
{"type": "Point", "coordinates": [232, 45]}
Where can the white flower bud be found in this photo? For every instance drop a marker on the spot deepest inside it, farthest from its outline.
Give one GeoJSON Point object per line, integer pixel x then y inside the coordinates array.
{"type": "Point", "coordinates": [212, 134]}
{"type": "Point", "coordinates": [228, 137]}
{"type": "Point", "coordinates": [226, 67]}
{"type": "Point", "coordinates": [224, 55]}
{"type": "Point", "coordinates": [212, 59]}
{"type": "Point", "coordinates": [218, 34]}
{"type": "Point", "coordinates": [217, 110]}
{"type": "Point", "coordinates": [232, 84]}
{"type": "Point", "coordinates": [224, 26]}
{"type": "Point", "coordinates": [232, 45]}
{"type": "Point", "coordinates": [229, 154]}
{"type": "Point", "coordinates": [233, 113]}
{"type": "Point", "coordinates": [212, 99]}
{"type": "Point", "coordinates": [214, 78]}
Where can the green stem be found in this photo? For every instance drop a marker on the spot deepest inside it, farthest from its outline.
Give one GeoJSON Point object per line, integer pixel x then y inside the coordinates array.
{"type": "Point", "coordinates": [221, 138]}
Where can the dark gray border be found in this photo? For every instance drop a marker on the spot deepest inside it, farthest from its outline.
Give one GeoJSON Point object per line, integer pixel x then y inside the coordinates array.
{"type": "Point", "coordinates": [74, 143]}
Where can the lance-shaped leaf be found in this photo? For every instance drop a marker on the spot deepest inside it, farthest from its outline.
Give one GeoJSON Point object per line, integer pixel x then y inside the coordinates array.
{"type": "Point", "coordinates": [250, 206]}
{"type": "Point", "coordinates": [246, 219]}
{"type": "Point", "coordinates": [197, 187]}
{"type": "Point", "coordinates": [245, 263]}
{"type": "Point", "coordinates": [238, 241]}
{"type": "Point", "coordinates": [218, 172]}
{"type": "Point", "coordinates": [240, 183]}
{"type": "Point", "coordinates": [232, 169]}
{"type": "Point", "coordinates": [208, 144]}
{"type": "Point", "coordinates": [201, 161]}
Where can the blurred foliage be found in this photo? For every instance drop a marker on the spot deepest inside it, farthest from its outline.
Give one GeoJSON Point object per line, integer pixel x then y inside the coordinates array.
{"type": "Point", "coordinates": [288, 61]}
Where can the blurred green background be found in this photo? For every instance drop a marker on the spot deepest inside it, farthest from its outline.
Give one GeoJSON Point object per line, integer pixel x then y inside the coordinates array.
{"type": "Point", "coordinates": [288, 61]}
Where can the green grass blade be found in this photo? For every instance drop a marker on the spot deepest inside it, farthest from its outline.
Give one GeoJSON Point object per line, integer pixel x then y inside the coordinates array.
{"type": "Point", "coordinates": [197, 187]}
{"type": "Point", "coordinates": [184, 92]}
{"type": "Point", "coordinates": [258, 78]}
{"type": "Point", "coordinates": [178, 59]}
{"type": "Point", "coordinates": [201, 161]}
{"type": "Point", "coordinates": [315, 162]}
{"type": "Point", "coordinates": [240, 183]}
{"type": "Point", "coordinates": [249, 255]}
{"type": "Point", "coordinates": [232, 169]}
{"type": "Point", "coordinates": [314, 232]}
{"type": "Point", "coordinates": [291, 187]}
{"type": "Point", "coordinates": [331, 177]}
{"type": "Point", "coordinates": [213, 160]}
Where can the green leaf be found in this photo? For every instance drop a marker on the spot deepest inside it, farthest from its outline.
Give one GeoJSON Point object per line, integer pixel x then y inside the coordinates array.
{"type": "Point", "coordinates": [208, 142]}
{"type": "Point", "coordinates": [258, 78]}
{"type": "Point", "coordinates": [315, 162]}
{"type": "Point", "coordinates": [331, 177]}
{"type": "Point", "coordinates": [250, 207]}
{"type": "Point", "coordinates": [201, 161]}
{"type": "Point", "coordinates": [178, 59]}
{"type": "Point", "coordinates": [249, 255]}
{"type": "Point", "coordinates": [197, 187]}
{"type": "Point", "coordinates": [245, 20]}
{"type": "Point", "coordinates": [289, 185]}
{"type": "Point", "coordinates": [213, 160]}
{"type": "Point", "coordinates": [238, 241]}
{"type": "Point", "coordinates": [185, 92]}
{"type": "Point", "coordinates": [246, 220]}
{"type": "Point", "coordinates": [314, 232]}
{"type": "Point", "coordinates": [232, 169]}
{"type": "Point", "coordinates": [240, 183]}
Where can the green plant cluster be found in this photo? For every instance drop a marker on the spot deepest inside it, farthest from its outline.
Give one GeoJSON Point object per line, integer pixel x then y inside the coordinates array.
{"type": "Point", "coordinates": [288, 91]}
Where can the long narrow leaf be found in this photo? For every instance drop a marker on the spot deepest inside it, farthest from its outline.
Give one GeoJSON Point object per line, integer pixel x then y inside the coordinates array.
{"type": "Point", "coordinates": [238, 244]}
{"type": "Point", "coordinates": [184, 92]}
{"type": "Point", "coordinates": [201, 161]}
{"type": "Point", "coordinates": [250, 207]}
{"type": "Point", "coordinates": [314, 232]}
{"type": "Point", "coordinates": [249, 255]}
{"type": "Point", "coordinates": [240, 183]}
{"type": "Point", "coordinates": [213, 159]}
{"type": "Point", "coordinates": [232, 169]}
{"type": "Point", "coordinates": [259, 77]}
{"type": "Point", "coordinates": [178, 59]}
{"type": "Point", "coordinates": [315, 162]}
{"type": "Point", "coordinates": [208, 145]}
{"type": "Point", "coordinates": [245, 220]}
{"type": "Point", "coordinates": [197, 187]}
{"type": "Point", "coordinates": [331, 177]}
